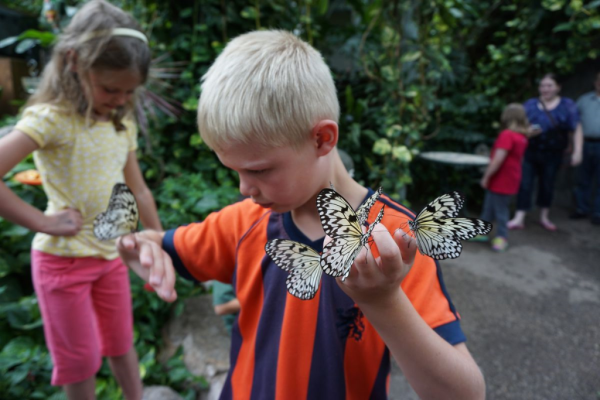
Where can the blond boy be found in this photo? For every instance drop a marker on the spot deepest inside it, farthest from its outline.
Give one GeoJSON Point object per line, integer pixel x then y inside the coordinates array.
{"type": "Point", "coordinates": [269, 110]}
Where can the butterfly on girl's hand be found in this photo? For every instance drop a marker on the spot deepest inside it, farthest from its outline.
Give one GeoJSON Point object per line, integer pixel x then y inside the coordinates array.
{"type": "Point", "coordinates": [303, 264]}
{"type": "Point", "coordinates": [437, 230]}
{"type": "Point", "coordinates": [120, 218]}
{"type": "Point", "coordinates": [344, 226]}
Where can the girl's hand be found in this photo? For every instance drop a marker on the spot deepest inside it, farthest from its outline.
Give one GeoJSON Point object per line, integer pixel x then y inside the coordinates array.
{"type": "Point", "coordinates": [373, 281]}
{"type": "Point", "coordinates": [576, 159]}
{"type": "Point", "coordinates": [66, 222]}
{"type": "Point", "coordinates": [142, 253]}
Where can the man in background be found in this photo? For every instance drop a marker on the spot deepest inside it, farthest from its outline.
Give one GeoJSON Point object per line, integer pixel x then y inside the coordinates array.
{"type": "Point", "coordinates": [586, 202]}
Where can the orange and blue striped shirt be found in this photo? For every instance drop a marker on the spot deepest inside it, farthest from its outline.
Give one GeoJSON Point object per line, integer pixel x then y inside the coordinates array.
{"type": "Point", "coordinates": [283, 347]}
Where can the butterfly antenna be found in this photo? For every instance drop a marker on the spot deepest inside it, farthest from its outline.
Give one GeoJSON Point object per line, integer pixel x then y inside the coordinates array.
{"type": "Point", "coordinates": [331, 186]}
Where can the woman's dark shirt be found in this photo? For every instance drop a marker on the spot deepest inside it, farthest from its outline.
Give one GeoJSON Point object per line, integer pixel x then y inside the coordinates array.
{"type": "Point", "coordinates": [554, 136]}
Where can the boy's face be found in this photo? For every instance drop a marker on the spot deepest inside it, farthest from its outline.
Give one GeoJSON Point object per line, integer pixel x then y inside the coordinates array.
{"type": "Point", "coordinates": [281, 178]}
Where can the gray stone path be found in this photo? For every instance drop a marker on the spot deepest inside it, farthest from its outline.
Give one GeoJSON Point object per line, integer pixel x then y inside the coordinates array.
{"type": "Point", "coordinates": [532, 314]}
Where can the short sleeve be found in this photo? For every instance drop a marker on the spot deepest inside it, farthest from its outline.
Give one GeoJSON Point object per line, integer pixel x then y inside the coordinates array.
{"type": "Point", "coordinates": [206, 250]}
{"type": "Point", "coordinates": [42, 123]}
{"type": "Point", "coordinates": [504, 141]}
{"type": "Point", "coordinates": [573, 114]}
{"type": "Point", "coordinates": [131, 130]}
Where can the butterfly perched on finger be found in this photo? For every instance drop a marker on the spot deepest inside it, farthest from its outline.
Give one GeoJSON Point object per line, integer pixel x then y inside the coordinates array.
{"type": "Point", "coordinates": [121, 216]}
{"type": "Point", "coordinates": [344, 226]}
{"type": "Point", "coordinates": [304, 264]}
{"type": "Point", "coordinates": [438, 231]}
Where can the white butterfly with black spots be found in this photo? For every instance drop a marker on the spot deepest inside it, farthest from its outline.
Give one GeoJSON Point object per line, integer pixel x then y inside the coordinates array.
{"type": "Point", "coordinates": [303, 264]}
{"type": "Point", "coordinates": [344, 226]}
{"type": "Point", "coordinates": [120, 218]}
{"type": "Point", "coordinates": [437, 230]}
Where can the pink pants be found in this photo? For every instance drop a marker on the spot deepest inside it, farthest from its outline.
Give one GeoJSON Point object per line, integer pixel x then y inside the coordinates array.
{"type": "Point", "coordinates": [86, 308]}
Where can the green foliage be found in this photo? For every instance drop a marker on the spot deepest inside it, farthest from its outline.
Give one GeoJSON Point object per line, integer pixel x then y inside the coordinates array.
{"type": "Point", "coordinates": [411, 76]}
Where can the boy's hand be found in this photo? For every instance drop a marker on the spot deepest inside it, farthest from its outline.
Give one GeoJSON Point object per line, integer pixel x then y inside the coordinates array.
{"type": "Point", "coordinates": [374, 280]}
{"type": "Point", "coordinates": [142, 253]}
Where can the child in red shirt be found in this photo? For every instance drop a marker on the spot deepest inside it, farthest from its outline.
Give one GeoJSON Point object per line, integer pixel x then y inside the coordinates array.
{"type": "Point", "coordinates": [503, 175]}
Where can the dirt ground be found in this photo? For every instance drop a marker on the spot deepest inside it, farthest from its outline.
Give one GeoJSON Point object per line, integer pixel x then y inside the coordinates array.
{"type": "Point", "coordinates": [532, 314]}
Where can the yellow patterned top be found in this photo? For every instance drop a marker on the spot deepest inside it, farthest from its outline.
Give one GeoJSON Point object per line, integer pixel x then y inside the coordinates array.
{"type": "Point", "coordinates": [79, 164]}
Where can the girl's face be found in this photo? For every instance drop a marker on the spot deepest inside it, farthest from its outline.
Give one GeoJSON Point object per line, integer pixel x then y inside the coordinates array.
{"type": "Point", "coordinates": [548, 88]}
{"type": "Point", "coordinates": [111, 88]}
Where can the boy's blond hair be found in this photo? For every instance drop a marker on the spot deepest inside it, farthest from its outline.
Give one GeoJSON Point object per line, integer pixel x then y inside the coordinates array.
{"type": "Point", "coordinates": [268, 88]}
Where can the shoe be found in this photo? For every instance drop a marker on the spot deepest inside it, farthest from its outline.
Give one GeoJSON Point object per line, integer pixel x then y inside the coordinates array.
{"type": "Point", "coordinates": [480, 238]}
{"type": "Point", "coordinates": [596, 220]}
{"type": "Point", "coordinates": [547, 225]}
{"type": "Point", "coordinates": [578, 215]}
{"type": "Point", "coordinates": [513, 227]}
{"type": "Point", "coordinates": [499, 244]}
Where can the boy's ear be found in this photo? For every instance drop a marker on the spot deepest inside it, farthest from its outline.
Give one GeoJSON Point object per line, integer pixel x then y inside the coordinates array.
{"type": "Point", "coordinates": [325, 135]}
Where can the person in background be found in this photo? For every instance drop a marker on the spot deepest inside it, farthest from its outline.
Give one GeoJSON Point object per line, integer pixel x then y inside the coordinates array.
{"type": "Point", "coordinates": [586, 202]}
{"type": "Point", "coordinates": [225, 303]}
{"type": "Point", "coordinates": [80, 129]}
{"type": "Point", "coordinates": [503, 174]}
{"type": "Point", "coordinates": [556, 117]}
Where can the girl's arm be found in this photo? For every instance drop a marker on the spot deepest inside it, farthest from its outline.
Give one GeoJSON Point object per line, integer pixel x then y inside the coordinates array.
{"type": "Point", "coordinates": [13, 148]}
{"type": "Point", "coordinates": [434, 368]}
{"type": "Point", "coordinates": [143, 196]}
{"type": "Point", "coordinates": [494, 165]}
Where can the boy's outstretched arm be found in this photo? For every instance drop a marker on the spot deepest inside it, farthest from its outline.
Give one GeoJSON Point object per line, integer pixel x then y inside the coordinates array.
{"type": "Point", "coordinates": [434, 368]}
{"type": "Point", "coordinates": [143, 253]}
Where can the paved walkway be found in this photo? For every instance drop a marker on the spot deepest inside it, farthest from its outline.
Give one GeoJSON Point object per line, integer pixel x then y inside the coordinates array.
{"type": "Point", "coordinates": [531, 314]}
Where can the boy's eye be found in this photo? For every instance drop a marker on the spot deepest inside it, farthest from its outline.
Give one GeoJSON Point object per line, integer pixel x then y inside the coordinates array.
{"type": "Point", "coordinates": [257, 171]}
{"type": "Point", "coordinates": [111, 91]}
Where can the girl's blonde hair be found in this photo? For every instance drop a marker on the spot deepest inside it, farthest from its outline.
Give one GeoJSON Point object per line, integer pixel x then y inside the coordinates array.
{"type": "Point", "coordinates": [514, 118]}
{"type": "Point", "coordinates": [88, 43]}
{"type": "Point", "coordinates": [267, 88]}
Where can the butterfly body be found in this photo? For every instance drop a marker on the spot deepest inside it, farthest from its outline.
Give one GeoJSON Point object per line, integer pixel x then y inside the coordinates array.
{"type": "Point", "coordinates": [438, 231]}
{"type": "Point", "coordinates": [120, 218]}
{"type": "Point", "coordinates": [344, 226]}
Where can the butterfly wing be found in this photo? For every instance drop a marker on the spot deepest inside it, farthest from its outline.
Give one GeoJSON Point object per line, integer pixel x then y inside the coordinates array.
{"type": "Point", "coordinates": [120, 218]}
{"type": "Point", "coordinates": [363, 211]}
{"type": "Point", "coordinates": [445, 206]}
{"type": "Point", "coordinates": [438, 231]}
{"type": "Point", "coordinates": [301, 261]}
{"type": "Point", "coordinates": [343, 226]}
{"type": "Point", "coordinates": [437, 246]}
{"type": "Point", "coordinates": [337, 215]}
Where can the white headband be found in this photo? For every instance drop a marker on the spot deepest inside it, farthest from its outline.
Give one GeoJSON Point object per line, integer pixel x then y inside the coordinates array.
{"type": "Point", "coordinates": [114, 32]}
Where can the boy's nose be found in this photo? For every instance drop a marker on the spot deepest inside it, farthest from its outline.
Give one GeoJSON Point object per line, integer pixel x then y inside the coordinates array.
{"type": "Point", "coordinates": [247, 189]}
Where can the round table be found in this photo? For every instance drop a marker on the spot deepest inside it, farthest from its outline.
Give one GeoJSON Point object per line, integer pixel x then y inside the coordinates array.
{"type": "Point", "coordinates": [454, 158]}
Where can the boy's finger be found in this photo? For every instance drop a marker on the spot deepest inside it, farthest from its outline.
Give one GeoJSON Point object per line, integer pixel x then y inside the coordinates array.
{"type": "Point", "coordinates": [127, 242]}
{"type": "Point", "coordinates": [407, 245]}
{"type": "Point", "coordinates": [389, 254]}
{"type": "Point", "coordinates": [361, 262]}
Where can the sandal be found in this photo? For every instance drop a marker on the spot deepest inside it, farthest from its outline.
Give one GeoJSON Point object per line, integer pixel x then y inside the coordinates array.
{"type": "Point", "coordinates": [515, 227]}
{"type": "Point", "coordinates": [549, 226]}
